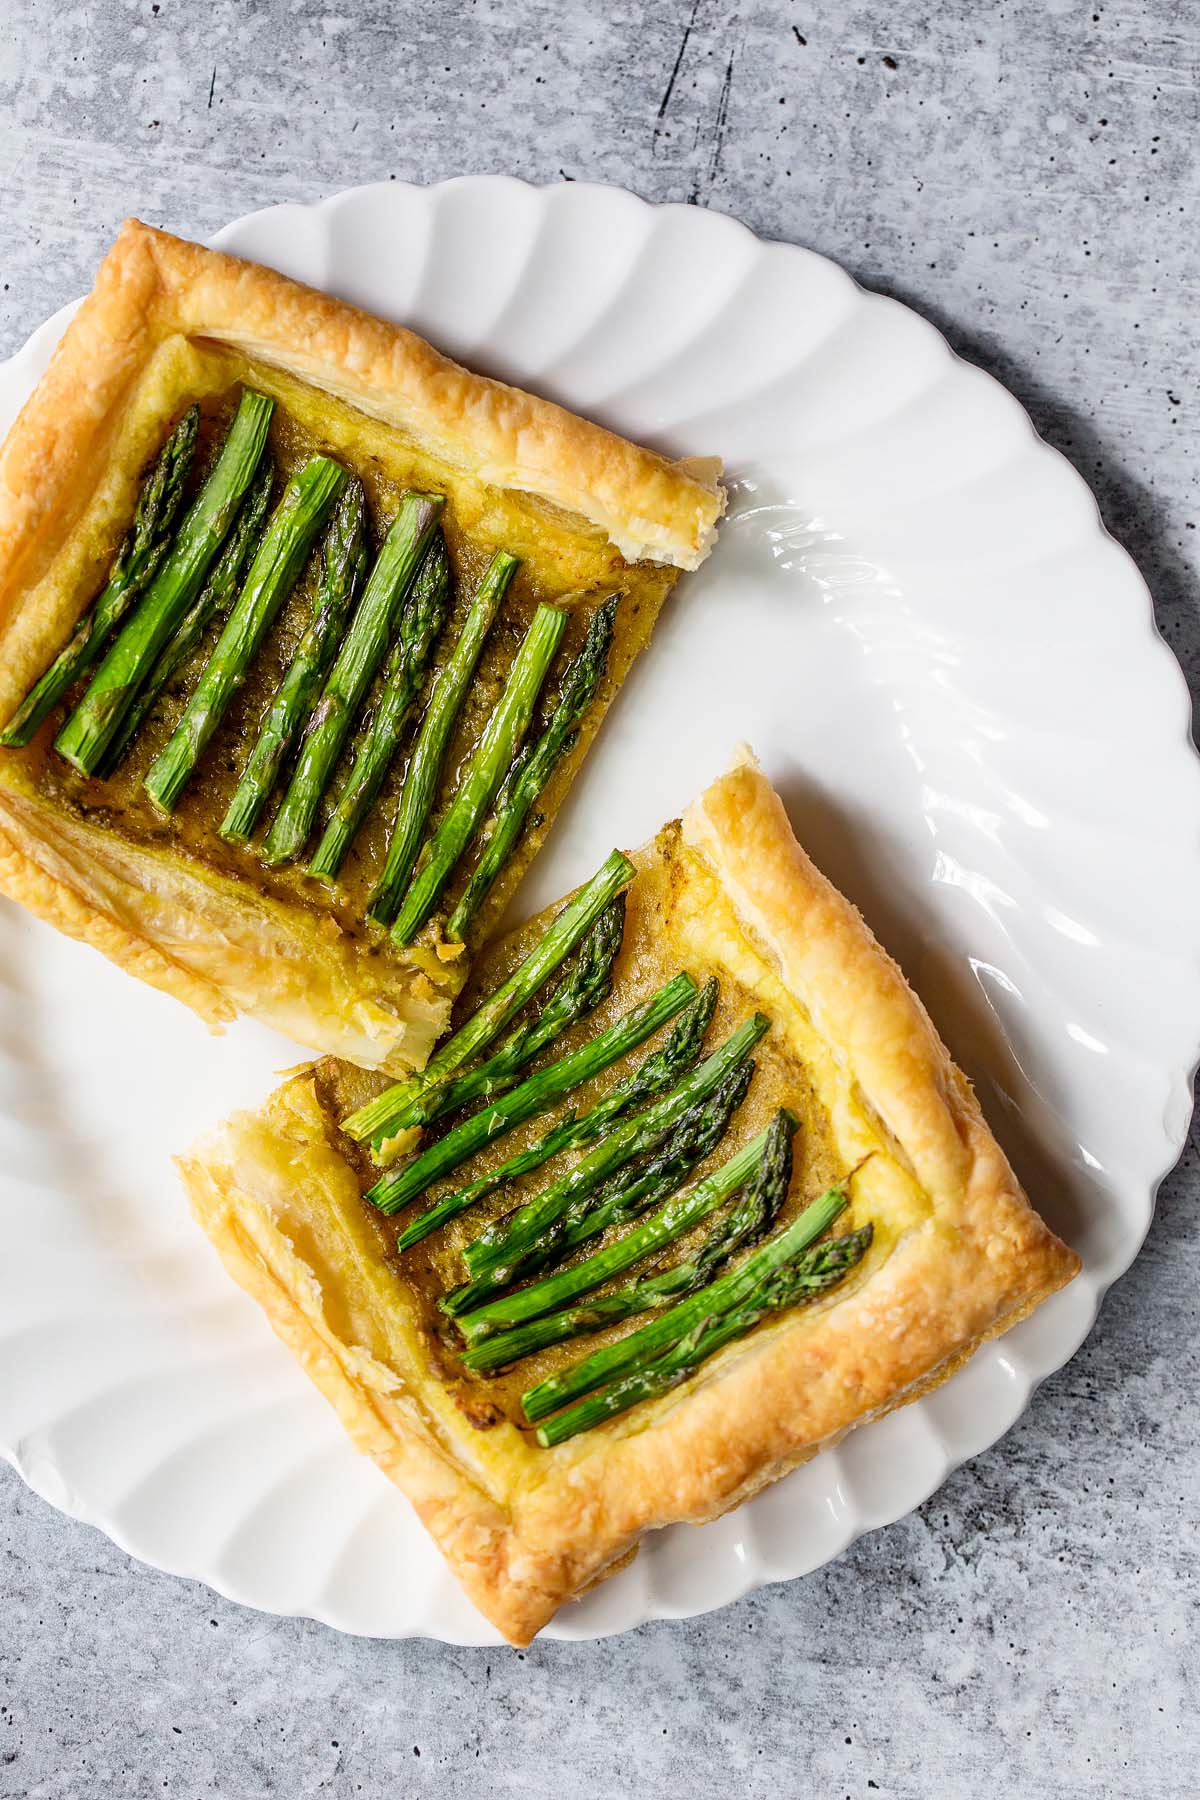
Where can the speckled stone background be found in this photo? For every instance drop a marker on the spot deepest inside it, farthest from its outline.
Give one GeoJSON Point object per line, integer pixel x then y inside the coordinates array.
{"type": "Point", "coordinates": [1026, 176]}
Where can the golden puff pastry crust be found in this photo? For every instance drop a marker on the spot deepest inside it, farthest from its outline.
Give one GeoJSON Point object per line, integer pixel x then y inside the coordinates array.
{"type": "Point", "coordinates": [959, 1254]}
{"type": "Point", "coordinates": [168, 321]}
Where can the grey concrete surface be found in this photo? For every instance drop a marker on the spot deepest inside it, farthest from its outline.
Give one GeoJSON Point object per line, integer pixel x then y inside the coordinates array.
{"type": "Point", "coordinates": [1025, 175]}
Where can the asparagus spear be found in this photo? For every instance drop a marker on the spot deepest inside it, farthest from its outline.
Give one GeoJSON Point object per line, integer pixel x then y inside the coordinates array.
{"type": "Point", "coordinates": [807, 1278]}
{"type": "Point", "coordinates": [657, 1076]}
{"type": "Point", "coordinates": [627, 1195]}
{"type": "Point", "coordinates": [488, 1309]}
{"type": "Point", "coordinates": [586, 983]}
{"type": "Point", "coordinates": [429, 752]}
{"type": "Point", "coordinates": [345, 555]}
{"type": "Point", "coordinates": [726, 1291]}
{"type": "Point", "coordinates": [85, 738]}
{"type": "Point", "coordinates": [482, 1308]}
{"type": "Point", "coordinates": [499, 1254]}
{"type": "Point", "coordinates": [663, 1175]}
{"type": "Point", "coordinates": [657, 1072]}
{"type": "Point", "coordinates": [213, 601]}
{"type": "Point", "coordinates": [531, 1097]}
{"type": "Point", "coordinates": [276, 568]}
{"type": "Point", "coordinates": [403, 678]}
{"type": "Point", "coordinates": [561, 1136]}
{"type": "Point", "coordinates": [494, 752]}
{"type": "Point", "coordinates": [362, 650]}
{"type": "Point", "coordinates": [533, 768]}
{"type": "Point", "coordinates": [137, 562]}
{"type": "Point", "coordinates": [376, 1121]}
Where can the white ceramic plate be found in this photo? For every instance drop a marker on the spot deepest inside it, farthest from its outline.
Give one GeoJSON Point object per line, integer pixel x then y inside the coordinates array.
{"type": "Point", "coordinates": [953, 675]}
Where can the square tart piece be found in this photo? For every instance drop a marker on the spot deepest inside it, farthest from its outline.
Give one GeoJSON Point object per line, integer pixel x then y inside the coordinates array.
{"type": "Point", "coordinates": [170, 325]}
{"type": "Point", "coordinates": [957, 1253]}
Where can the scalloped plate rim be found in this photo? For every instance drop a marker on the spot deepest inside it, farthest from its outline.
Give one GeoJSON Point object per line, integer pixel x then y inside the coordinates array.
{"type": "Point", "coordinates": [1173, 1135]}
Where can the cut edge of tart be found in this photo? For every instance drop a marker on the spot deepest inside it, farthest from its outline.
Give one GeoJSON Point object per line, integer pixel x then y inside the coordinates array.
{"type": "Point", "coordinates": [939, 1247]}
{"type": "Point", "coordinates": [170, 326]}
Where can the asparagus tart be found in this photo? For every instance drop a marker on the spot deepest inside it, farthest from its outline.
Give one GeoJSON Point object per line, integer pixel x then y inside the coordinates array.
{"type": "Point", "coordinates": [304, 631]}
{"type": "Point", "coordinates": [690, 1189]}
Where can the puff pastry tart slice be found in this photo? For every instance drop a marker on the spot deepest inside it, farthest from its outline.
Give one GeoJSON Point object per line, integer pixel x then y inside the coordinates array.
{"type": "Point", "coordinates": [714, 1197]}
{"type": "Point", "coordinates": [304, 630]}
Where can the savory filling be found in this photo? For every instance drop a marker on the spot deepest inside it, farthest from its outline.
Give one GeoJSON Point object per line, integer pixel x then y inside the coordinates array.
{"type": "Point", "coordinates": [327, 662]}
{"type": "Point", "coordinates": [611, 1170]}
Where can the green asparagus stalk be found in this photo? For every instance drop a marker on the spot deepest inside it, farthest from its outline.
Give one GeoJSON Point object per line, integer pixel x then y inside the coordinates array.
{"type": "Point", "coordinates": [276, 568]}
{"type": "Point", "coordinates": [727, 1290]}
{"type": "Point", "coordinates": [659, 1075]}
{"type": "Point", "coordinates": [494, 752]}
{"type": "Point", "coordinates": [137, 562]}
{"type": "Point", "coordinates": [624, 1196]}
{"type": "Point", "coordinates": [429, 752]}
{"type": "Point", "coordinates": [376, 1121]}
{"type": "Point", "coordinates": [213, 601]}
{"type": "Point", "coordinates": [659, 1071]}
{"type": "Point", "coordinates": [362, 650]}
{"type": "Point", "coordinates": [403, 678]}
{"type": "Point", "coordinates": [533, 769]}
{"type": "Point", "coordinates": [561, 1136]}
{"type": "Point", "coordinates": [627, 1195]}
{"type": "Point", "coordinates": [586, 983]}
{"type": "Point", "coordinates": [812, 1274]}
{"type": "Point", "coordinates": [345, 557]}
{"type": "Point", "coordinates": [534, 1095]}
{"type": "Point", "coordinates": [662, 1177]}
{"type": "Point", "coordinates": [671, 1221]}
{"type": "Point", "coordinates": [85, 738]}
{"type": "Point", "coordinates": [494, 1257]}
